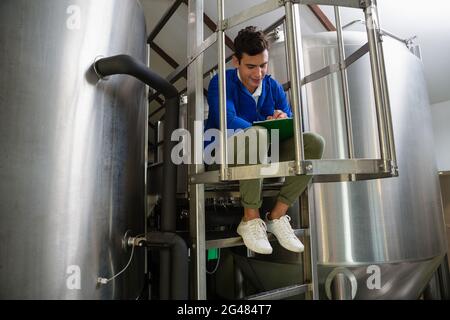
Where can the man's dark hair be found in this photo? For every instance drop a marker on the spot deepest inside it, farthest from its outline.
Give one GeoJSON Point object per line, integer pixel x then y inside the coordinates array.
{"type": "Point", "coordinates": [250, 41]}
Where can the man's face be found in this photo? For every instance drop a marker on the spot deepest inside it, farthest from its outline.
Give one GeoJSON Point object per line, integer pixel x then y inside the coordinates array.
{"type": "Point", "coordinates": [252, 69]}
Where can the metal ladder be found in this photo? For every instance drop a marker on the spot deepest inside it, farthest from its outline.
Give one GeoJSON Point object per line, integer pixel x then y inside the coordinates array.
{"type": "Point", "coordinates": [350, 169]}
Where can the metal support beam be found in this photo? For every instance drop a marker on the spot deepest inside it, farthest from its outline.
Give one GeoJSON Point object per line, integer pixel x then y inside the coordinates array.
{"type": "Point", "coordinates": [386, 99]}
{"type": "Point", "coordinates": [344, 84]}
{"type": "Point", "coordinates": [196, 192]}
{"type": "Point", "coordinates": [161, 23]}
{"type": "Point", "coordinates": [164, 55]}
{"type": "Point", "coordinates": [213, 27]}
{"type": "Point", "coordinates": [341, 3]}
{"type": "Point", "coordinates": [295, 62]}
{"type": "Point", "coordinates": [323, 19]}
{"type": "Point", "coordinates": [222, 91]}
{"type": "Point", "coordinates": [250, 13]}
{"type": "Point", "coordinates": [372, 27]}
{"type": "Point", "coordinates": [309, 167]}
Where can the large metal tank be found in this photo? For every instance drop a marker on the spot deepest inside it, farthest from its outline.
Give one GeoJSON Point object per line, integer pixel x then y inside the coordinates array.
{"type": "Point", "coordinates": [390, 228]}
{"type": "Point", "coordinates": [72, 162]}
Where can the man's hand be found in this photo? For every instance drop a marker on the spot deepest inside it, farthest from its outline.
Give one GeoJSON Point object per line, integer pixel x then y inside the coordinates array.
{"type": "Point", "coordinates": [278, 114]}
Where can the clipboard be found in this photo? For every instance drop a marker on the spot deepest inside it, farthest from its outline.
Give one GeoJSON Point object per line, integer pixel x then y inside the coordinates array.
{"type": "Point", "coordinates": [285, 127]}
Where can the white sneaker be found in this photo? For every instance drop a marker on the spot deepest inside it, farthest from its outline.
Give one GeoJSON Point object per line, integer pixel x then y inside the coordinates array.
{"type": "Point", "coordinates": [282, 230]}
{"type": "Point", "coordinates": [254, 234]}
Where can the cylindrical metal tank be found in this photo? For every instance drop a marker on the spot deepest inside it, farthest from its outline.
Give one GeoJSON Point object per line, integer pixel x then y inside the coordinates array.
{"type": "Point", "coordinates": [72, 150]}
{"type": "Point", "coordinates": [394, 225]}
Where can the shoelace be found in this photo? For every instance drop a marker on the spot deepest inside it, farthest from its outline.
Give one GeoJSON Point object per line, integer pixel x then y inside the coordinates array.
{"type": "Point", "coordinates": [285, 226]}
{"type": "Point", "coordinates": [258, 229]}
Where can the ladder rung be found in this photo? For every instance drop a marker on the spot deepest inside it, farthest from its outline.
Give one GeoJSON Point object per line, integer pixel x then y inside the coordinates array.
{"type": "Point", "coordinates": [223, 240]}
{"type": "Point", "coordinates": [281, 293]}
{"type": "Point", "coordinates": [329, 167]}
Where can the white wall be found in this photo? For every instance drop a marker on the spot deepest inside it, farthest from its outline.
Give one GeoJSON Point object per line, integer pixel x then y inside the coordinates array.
{"type": "Point", "coordinates": [441, 128]}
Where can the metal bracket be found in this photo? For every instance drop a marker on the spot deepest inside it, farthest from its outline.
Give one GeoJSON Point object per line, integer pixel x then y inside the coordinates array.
{"type": "Point", "coordinates": [308, 168]}
{"type": "Point", "coordinates": [94, 66]}
{"type": "Point", "coordinates": [365, 3]}
{"type": "Point", "coordinates": [394, 168]}
{"type": "Point", "coordinates": [229, 174]}
{"type": "Point", "coordinates": [292, 168]}
{"type": "Point", "coordinates": [125, 240]}
{"type": "Point", "coordinates": [283, 2]}
{"type": "Point", "coordinates": [222, 26]}
{"type": "Point", "coordinates": [380, 35]}
{"type": "Point", "coordinates": [136, 241]}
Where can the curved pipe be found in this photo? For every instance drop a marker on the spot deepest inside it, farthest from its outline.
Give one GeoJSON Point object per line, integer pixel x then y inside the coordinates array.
{"type": "Point", "coordinates": [124, 64]}
{"type": "Point", "coordinates": [179, 261]}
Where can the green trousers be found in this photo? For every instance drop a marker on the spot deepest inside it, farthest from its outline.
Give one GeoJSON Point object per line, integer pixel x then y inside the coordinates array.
{"type": "Point", "coordinates": [293, 186]}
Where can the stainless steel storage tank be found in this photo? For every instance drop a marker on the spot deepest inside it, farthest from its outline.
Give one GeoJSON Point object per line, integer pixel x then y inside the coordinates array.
{"type": "Point", "coordinates": [394, 224]}
{"type": "Point", "coordinates": [72, 150]}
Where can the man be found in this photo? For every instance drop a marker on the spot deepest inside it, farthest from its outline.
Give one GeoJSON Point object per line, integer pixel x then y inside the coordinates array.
{"type": "Point", "coordinates": [252, 95]}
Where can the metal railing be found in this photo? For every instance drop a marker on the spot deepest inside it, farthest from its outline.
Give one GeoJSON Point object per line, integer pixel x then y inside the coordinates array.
{"type": "Point", "coordinates": [377, 168]}
{"type": "Point", "coordinates": [322, 170]}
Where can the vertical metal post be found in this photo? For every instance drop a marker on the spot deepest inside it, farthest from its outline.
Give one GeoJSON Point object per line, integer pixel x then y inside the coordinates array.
{"type": "Point", "coordinates": [222, 91]}
{"type": "Point", "coordinates": [306, 256]}
{"type": "Point", "coordinates": [386, 99]}
{"type": "Point", "coordinates": [344, 81]}
{"type": "Point", "coordinates": [313, 243]}
{"type": "Point", "coordinates": [372, 35]}
{"type": "Point", "coordinates": [196, 115]}
{"type": "Point", "coordinates": [147, 109]}
{"type": "Point", "coordinates": [295, 63]}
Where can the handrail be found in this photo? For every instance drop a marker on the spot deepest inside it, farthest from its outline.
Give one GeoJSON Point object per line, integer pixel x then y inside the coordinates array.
{"type": "Point", "coordinates": [298, 101]}
{"type": "Point", "coordinates": [384, 32]}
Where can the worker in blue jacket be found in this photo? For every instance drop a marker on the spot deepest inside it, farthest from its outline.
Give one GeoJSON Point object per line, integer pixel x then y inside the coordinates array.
{"type": "Point", "coordinates": [253, 95]}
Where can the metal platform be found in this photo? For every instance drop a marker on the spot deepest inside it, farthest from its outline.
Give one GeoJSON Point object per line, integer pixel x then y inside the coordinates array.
{"type": "Point", "coordinates": [322, 170]}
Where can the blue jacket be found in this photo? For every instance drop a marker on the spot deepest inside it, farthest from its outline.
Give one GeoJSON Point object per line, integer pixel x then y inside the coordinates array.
{"type": "Point", "coordinates": [242, 110]}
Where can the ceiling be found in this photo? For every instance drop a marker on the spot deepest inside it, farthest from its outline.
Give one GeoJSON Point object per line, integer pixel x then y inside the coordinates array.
{"type": "Point", "coordinates": [404, 18]}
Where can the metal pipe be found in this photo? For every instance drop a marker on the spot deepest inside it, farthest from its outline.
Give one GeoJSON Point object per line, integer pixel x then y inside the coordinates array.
{"type": "Point", "coordinates": [123, 64]}
{"type": "Point", "coordinates": [372, 35]}
{"type": "Point", "coordinates": [222, 92]}
{"type": "Point", "coordinates": [196, 192]}
{"type": "Point", "coordinates": [146, 153]}
{"type": "Point", "coordinates": [178, 267]}
{"type": "Point", "coordinates": [168, 216]}
{"type": "Point", "coordinates": [393, 36]}
{"type": "Point", "coordinates": [239, 291]}
{"type": "Point", "coordinates": [361, 21]}
{"type": "Point", "coordinates": [387, 106]}
{"type": "Point", "coordinates": [386, 98]}
{"type": "Point", "coordinates": [344, 81]}
{"type": "Point", "coordinates": [293, 55]}
{"type": "Point", "coordinates": [341, 287]}
{"type": "Point", "coordinates": [382, 31]}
